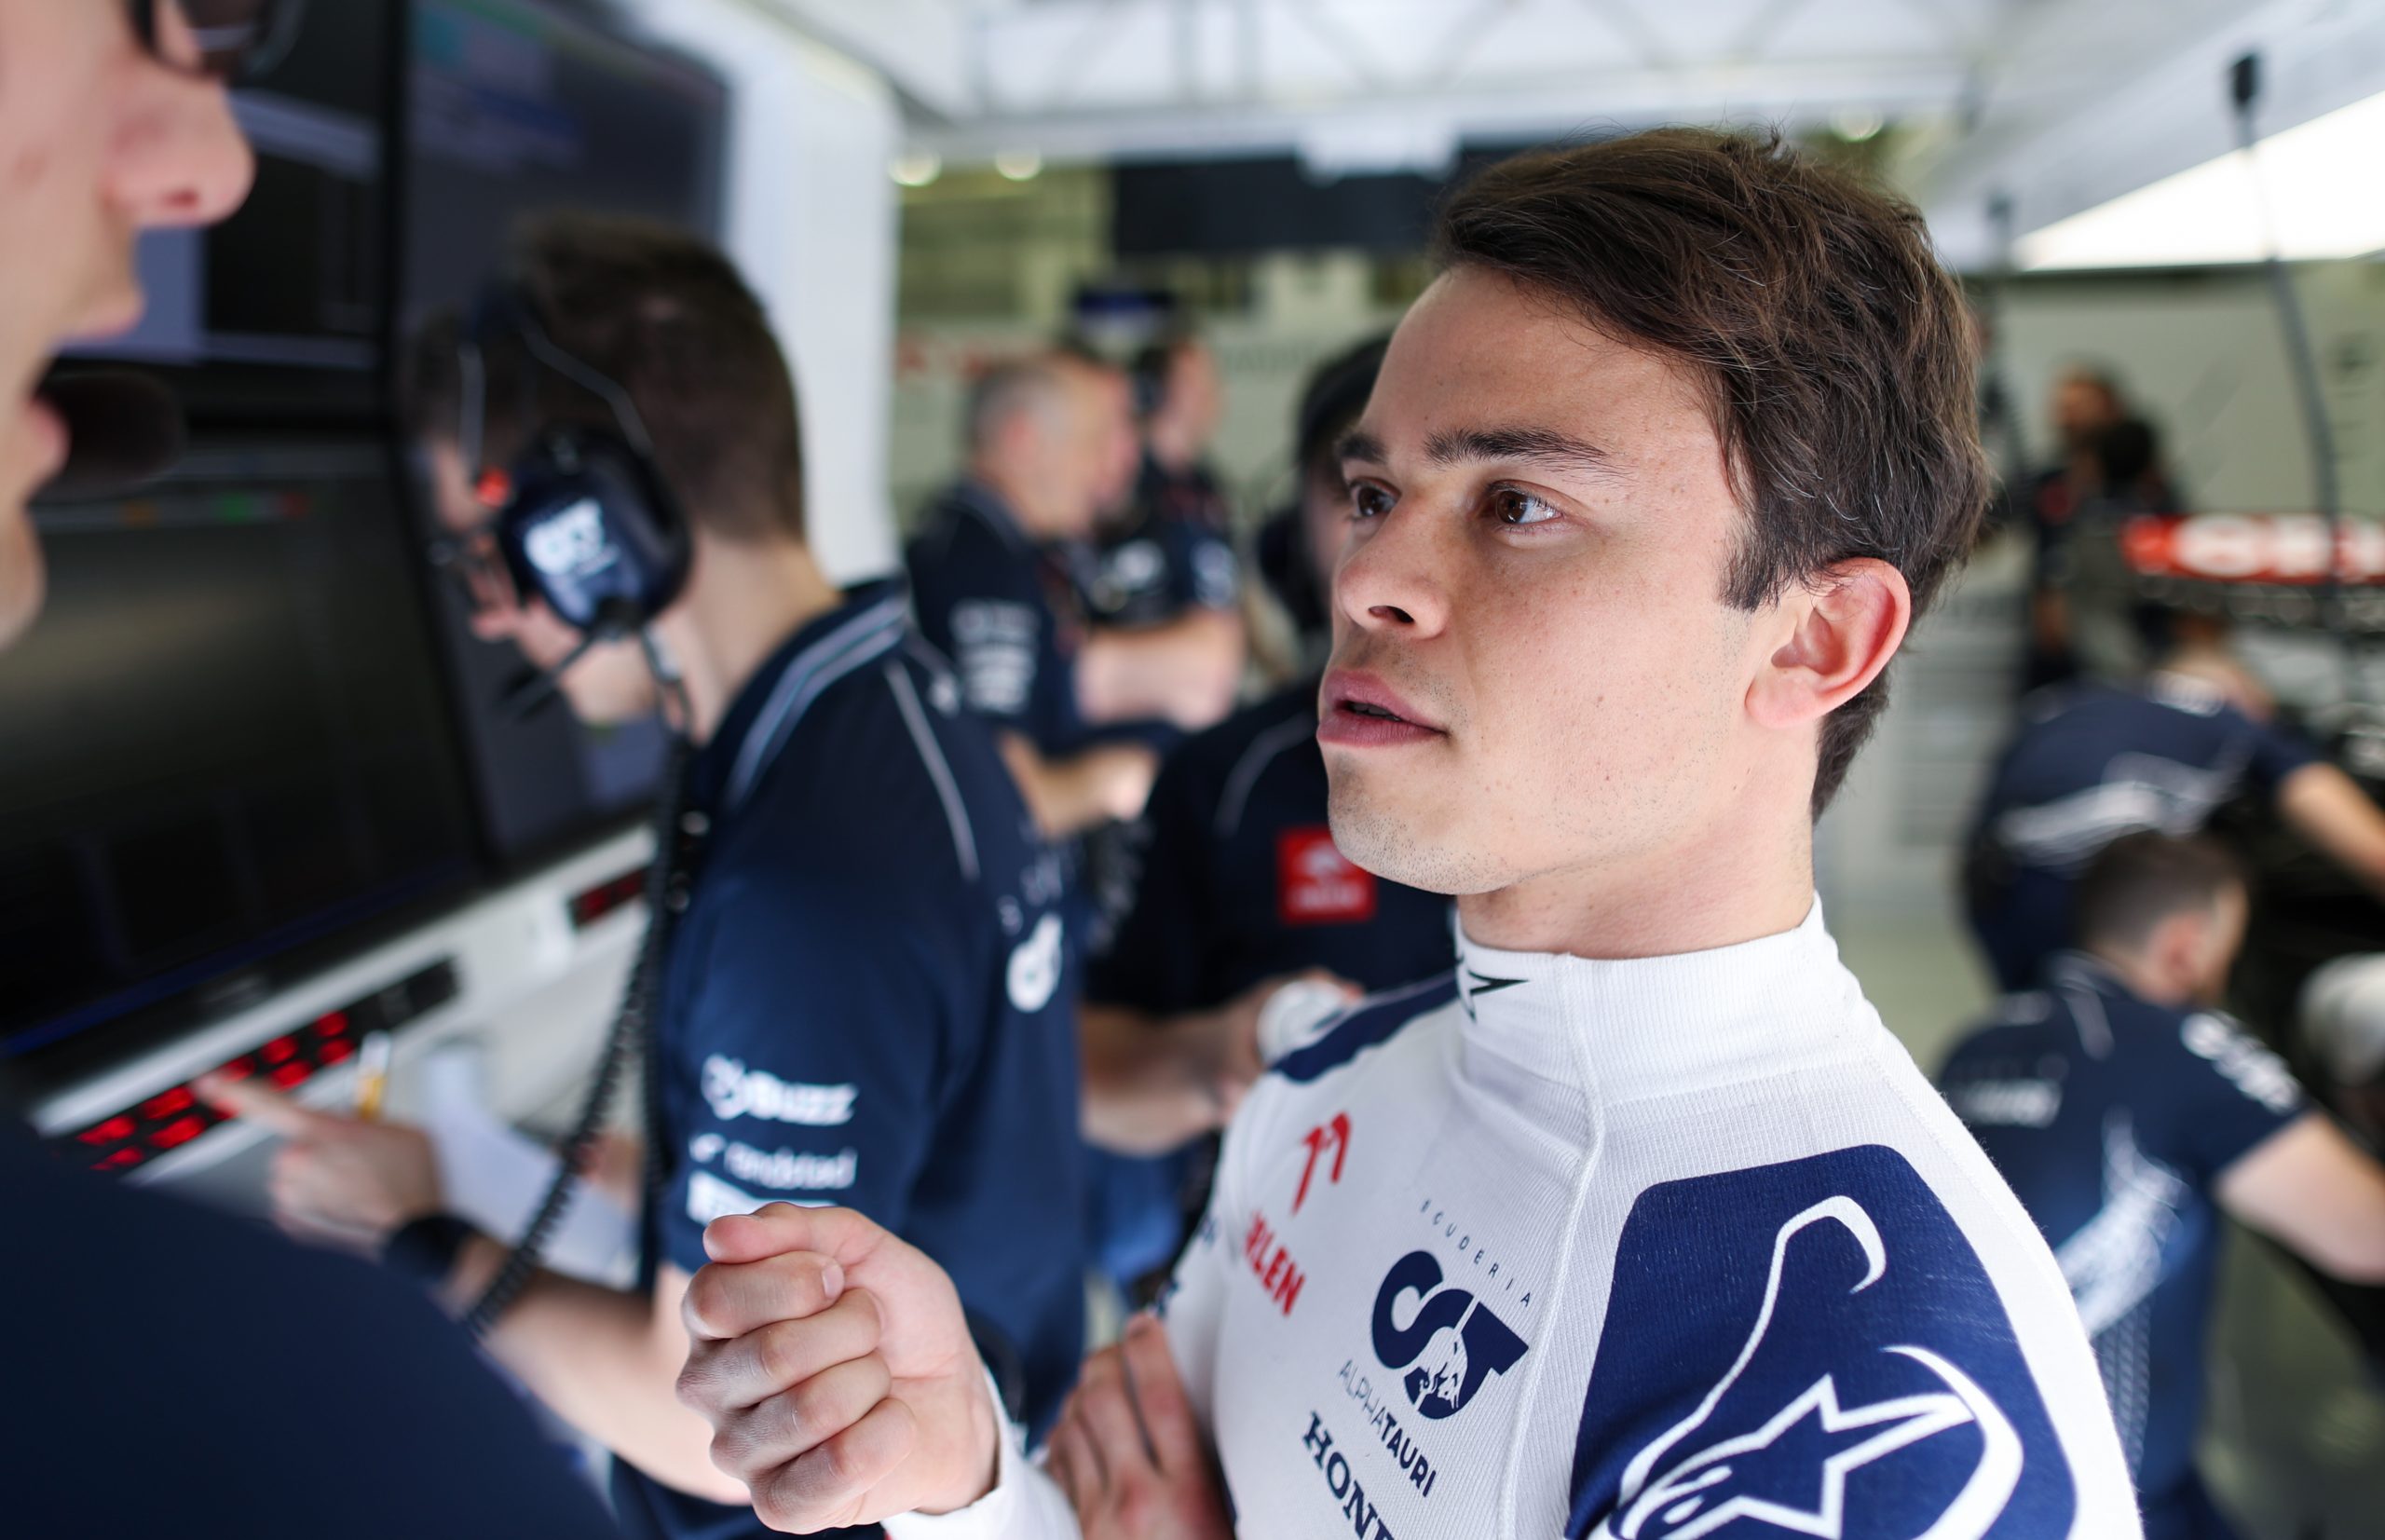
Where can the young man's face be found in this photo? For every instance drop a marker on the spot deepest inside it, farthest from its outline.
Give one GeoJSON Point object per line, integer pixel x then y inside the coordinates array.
{"type": "Point", "coordinates": [97, 142]}
{"type": "Point", "coordinates": [1544, 522]}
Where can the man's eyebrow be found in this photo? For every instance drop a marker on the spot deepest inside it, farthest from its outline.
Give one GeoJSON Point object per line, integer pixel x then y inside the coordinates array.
{"type": "Point", "coordinates": [1562, 451]}
{"type": "Point", "coordinates": [1456, 446]}
{"type": "Point", "coordinates": [1359, 445]}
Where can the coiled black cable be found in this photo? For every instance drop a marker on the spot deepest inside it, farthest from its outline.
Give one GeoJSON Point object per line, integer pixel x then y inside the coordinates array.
{"type": "Point", "coordinates": [632, 1030]}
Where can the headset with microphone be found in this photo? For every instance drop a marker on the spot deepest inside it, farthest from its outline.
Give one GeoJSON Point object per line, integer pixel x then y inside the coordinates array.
{"type": "Point", "coordinates": [587, 524]}
{"type": "Point", "coordinates": [582, 517]}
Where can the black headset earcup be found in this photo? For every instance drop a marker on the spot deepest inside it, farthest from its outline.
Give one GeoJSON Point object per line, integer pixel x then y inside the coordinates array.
{"type": "Point", "coordinates": [592, 529]}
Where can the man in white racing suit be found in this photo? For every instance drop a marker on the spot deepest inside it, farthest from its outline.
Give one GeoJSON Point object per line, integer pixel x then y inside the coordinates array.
{"type": "Point", "coordinates": [1637, 1224]}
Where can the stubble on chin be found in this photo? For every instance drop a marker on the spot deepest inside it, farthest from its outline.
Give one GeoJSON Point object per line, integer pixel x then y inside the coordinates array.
{"type": "Point", "coordinates": [1393, 833]}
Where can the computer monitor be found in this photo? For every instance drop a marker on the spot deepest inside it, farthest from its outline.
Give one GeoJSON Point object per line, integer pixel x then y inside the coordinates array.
{"type": "Point", "coordinates": [228, 748]}
{"type": "Point", "coordinates": [515, 107]}
{"type": "Point", "coordinates": [280, 312]}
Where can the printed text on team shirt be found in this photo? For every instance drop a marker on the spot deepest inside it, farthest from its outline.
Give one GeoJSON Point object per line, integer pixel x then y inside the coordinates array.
{"type": "Point", "coordinates": [733, 1091]}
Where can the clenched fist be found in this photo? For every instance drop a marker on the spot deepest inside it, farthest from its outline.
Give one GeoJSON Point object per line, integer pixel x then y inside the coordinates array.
{"type": "Point", "coordinates": [837, 1370]}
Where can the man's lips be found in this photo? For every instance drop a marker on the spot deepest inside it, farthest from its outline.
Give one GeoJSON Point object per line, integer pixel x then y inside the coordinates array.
{"type": "Point", "coordinates": [49, 445]}
{"type": "Point", "coordinates": [1358, 709]}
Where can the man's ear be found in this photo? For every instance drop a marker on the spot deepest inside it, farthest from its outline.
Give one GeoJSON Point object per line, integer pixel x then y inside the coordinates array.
{"type": "Point", "coordinates": [1842, 628]}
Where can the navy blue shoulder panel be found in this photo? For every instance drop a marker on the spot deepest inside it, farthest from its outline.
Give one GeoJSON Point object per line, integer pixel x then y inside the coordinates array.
{"type": "Point", "coordinates": [1811, 1345]}
{"type": "Point", "coordinates": [1372, 1021]}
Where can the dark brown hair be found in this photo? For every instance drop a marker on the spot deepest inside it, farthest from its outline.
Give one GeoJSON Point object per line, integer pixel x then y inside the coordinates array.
{"type": "Point", "coordinates": [666, 316]}
{"type": "Point", "coordinates": [1834, 349]}
{"type": "Point", "coordinates": [2141, 879]}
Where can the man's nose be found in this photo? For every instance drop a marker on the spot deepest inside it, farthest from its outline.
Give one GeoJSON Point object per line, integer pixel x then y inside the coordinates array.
{"type": "Point", "coordinates": [1391, 578]}
{"type": "Point", "coordinates": [178, 157]}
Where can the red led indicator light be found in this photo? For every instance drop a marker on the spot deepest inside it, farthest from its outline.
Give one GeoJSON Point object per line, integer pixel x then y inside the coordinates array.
{"type": "Point", "coordinates": [290, 1075]}
{"type": "Point", "coordinates": [181, 1131]}
{"type": "Point", "coordinates": [336, 1051]}
{"type": "Point", "coordinates": [166, 1104]}
{"type": "Point", "coordinates": [331, 1025]}
{"type": "Point", "coordinates": [118, 1160]}
{"type": "Point", "coordinates": [118, 1127]}
{"type": "Point", "coordinates": [280, 1048]}
{"type": "Point", "coordinates": [239, 1068]}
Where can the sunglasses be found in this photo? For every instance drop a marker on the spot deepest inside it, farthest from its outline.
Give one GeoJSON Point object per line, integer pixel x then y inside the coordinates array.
{"type": "Point", "coordinates": [238, 39]}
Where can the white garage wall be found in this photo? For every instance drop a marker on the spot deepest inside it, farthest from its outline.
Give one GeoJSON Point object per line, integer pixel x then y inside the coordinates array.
{"type": "Point", "coordinates": [811, 220]}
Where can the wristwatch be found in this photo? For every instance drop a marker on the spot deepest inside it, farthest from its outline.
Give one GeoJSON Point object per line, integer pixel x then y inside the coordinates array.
{"type": "Point", "coordinates": [426, 1250]}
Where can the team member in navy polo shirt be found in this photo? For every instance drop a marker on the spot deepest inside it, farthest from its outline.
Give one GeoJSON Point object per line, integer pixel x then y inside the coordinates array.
{"type": "Point", "coordinates": [994, 590]}
{"type": "Point", "coordinates": [1241, 886]}
{"type": "Point", "coordinates": [2094, 762]}
{"type": "Point", "coordinates": [1170, 553]}
{"type": "Point", "coordinates": [2128, 1115]}
{"type": "Point", "coordinates": [866, 999]}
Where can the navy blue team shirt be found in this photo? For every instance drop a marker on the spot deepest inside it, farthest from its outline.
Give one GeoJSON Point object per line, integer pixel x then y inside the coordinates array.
{"type": "Point", "coordinates": [1005, 613]}
{"type": "Point", "coordinates": [867, 1004]}
{"type": "Point", "coordinates": [1174, 557]}
{"type": "Point", "coordinates": [2091, 763]}
{"type": "Point", "coordinates": [172, 1370]}
{"type": "Point", "coordinates": [1240, 883]}
{"type": "Point", "coordinates": [2113, 1118]}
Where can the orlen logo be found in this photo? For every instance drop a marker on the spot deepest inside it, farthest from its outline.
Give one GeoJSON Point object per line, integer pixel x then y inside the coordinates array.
{"type": "Point", "coordinates": [1316, 885]}
{"type": "Point", "coordinates": [571, 543]}
{"type": "Point", "coordinates": [1451, 1338]}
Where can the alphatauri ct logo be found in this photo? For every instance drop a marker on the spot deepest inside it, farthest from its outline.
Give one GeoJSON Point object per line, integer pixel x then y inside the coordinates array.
{"type": "Point", "coordinates": [1447, 1341]}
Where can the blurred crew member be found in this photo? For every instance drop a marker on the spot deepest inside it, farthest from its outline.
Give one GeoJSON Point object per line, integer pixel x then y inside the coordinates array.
{"type": "Point", "coordinates": [2343, 1028]}
{"type": "Point", "coordinates": [2126, 1113]}
{"type": "Point", "coordinates": [994, 594]}
{"type": "Point", "coordinates": [2093, 762]}
{"type": "Point", "coordinates": [110, 125]}
{"type": "Point", "coordinates": [1170, 554]}
{"type": "Point", "coordinates": [1240, 886]}
{"type": "Point", "coordinates": [863, 1001]}
{"type": "Point", "coordinates": [2086, 405]}
{"type": "Point", "coordinates": [1639, 1222]}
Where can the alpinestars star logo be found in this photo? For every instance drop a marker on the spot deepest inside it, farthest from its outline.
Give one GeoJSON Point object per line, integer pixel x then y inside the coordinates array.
{"type": "Point", "coordinates": [1792, 1471]}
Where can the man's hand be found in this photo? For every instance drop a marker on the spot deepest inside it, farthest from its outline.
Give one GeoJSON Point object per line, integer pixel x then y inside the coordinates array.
{"type": "Point", "coordinates": [336, 1180]}
{"type": "Point", "coordinates": [836, 1369]}
{"type": "Point", "coordinates": [1128, 1452]}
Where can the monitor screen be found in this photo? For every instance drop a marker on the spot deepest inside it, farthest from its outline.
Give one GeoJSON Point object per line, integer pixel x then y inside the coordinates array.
{"type": "Point", "coordinates": [518, 107]}
{"type": "Point", "coordinates": [229, 744]}
{"type": "Point", "coordinates": [280, 308]}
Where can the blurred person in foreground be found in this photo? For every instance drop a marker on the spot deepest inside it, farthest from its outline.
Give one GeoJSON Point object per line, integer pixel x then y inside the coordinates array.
{"type": "Point", "coordinates": [2129, 1114]}
{"type": "Point", "coordinates": [112, 121]}
{"type": "Point", "coordinates": [1639, 1222]}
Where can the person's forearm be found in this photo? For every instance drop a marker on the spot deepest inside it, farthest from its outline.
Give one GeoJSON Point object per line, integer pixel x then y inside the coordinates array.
{"type": "Point", "coordinates": [607, 1362]}
{"type": "Point", "coordinates": [1185, 671]}
{"type": "Point", "coordinates": [1067, 796]}
{"type": "Point", "coordinates": [1149, 1086]}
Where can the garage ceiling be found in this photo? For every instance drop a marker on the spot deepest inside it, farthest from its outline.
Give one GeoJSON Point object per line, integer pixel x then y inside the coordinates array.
{"type": "Point", "coordinates": [2058, 104]}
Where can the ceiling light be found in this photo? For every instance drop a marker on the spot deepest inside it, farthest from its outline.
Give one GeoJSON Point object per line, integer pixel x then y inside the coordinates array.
{"type": "Point", "coordinates": [2310, 191]}
{"type": "Point", "coordinates": [1018, 165]}
{"type": "Point", "coordinates": [1856, 124]}
{"type": "Point", "coordinates": [915, 167]}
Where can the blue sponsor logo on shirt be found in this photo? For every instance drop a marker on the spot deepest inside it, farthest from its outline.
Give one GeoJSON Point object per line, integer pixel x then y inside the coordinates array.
{"type": "Point", "coordinates": [1810, 1347]}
